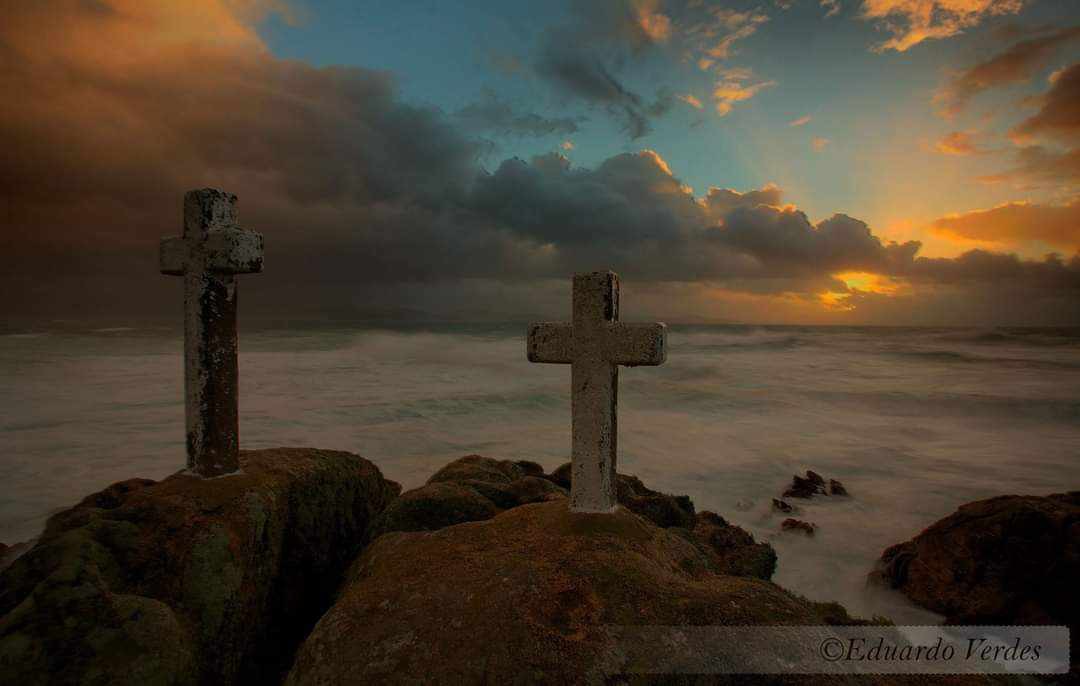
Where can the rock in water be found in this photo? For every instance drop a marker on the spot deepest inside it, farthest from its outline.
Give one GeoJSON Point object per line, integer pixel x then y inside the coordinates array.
{"type": "Point", "coordinates": [806, 487]}
{"type": "Point", "coordinates": [791, 524]}
{"type": "Point", "coordinates": [188, 580]}
{"type": "Point", "coordinates": [1010, 559]}
{"type": "Point", "coordinates": [1006, 560]}
{"type": "Point", "coordinates": [781, 506]}
{"type": "Point", "coordinates": [524, 598]}
{"type": "Point", "coordinates": [836, 488]}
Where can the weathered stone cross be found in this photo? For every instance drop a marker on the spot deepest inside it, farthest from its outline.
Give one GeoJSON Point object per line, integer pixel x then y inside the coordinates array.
{"type": "Point", "coordinates": [594, 344]}
{"type": "Point", "coordinates": [211, 252]}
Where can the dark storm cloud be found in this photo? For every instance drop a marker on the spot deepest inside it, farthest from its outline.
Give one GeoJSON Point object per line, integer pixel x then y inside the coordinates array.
{"type": "Point", "coordinates": [581, 72]}
{"type": "Point", "coordinates": [365, 201]}
{"type": "Point", "coordinates": [1017, 64]}
{"type": "Point", "coordinates": [493, 115]}
{"type": "Point", "coordinates": [1059, 114]}
{"type": "Point", "coordinates": [580, 59]}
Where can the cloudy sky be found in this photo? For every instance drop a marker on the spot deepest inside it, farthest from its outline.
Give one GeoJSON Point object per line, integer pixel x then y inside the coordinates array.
{"type": "Point", "coordinates": [764, 161]}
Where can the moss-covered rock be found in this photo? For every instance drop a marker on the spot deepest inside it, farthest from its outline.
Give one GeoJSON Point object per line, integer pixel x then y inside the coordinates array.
{"type": "Point", "coordinates": [660, 508]}
{"type": "Point", "coordinates": [435, 506]}
{"type": "Point", "coordinates": [731, 549]}
{"type": "Point", "coordinates": [479, 468]}
{"type": "Point", "coordinates": [528, 597]}
{"type": "Point", "coordinates": [470, 489]}
{"type": "Point", "coordinates": [188, 580]}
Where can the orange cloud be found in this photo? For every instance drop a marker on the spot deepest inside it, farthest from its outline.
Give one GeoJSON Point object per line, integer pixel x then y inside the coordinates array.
{"type": "Point", "coordinates": [801, 121]}
{"type": "Point", "coordinates": [1016, 222]}
{"type": "Point", "coordinates": [691, 100]}
{"type": "Point", "coordinates": [1018, 64]}
{"type": "Point", "coordinates": [818, 143]}
{"type": "Point", "coordinates": [913, 21]}
{"type": "Point", "coordinates": [732, 88]}
{"type": "Point", "coordinates": [654, 24]}
{"type": "Point", "coordinates": [957, 143]}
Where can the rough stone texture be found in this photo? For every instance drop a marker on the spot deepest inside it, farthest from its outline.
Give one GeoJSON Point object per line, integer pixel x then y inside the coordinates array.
{"type": "Point", "coordinates": [662, 509]}
{"type": "Point", "coordinates": [595, 343]}
{"type": "Point", "coordinates": [798, 525]}
{"type": "Point", "coordinates": [211, 251]}
{"type": "Point", "coordinates": [188, 580]}
{"type": "Point", "coordinates": [731, 549]}
{"type": "Point", "coordinates": [469, 489]}
{"type": "Point", "coordinates": [1005, 560]}
{"type": "Point", "coordinates": [524, 597]}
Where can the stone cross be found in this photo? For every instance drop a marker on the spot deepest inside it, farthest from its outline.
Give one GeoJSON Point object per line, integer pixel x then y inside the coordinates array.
{"type": "Point", "coordinates": [211, 252]}
{"type": "Point", "coordinates": [594, 344]}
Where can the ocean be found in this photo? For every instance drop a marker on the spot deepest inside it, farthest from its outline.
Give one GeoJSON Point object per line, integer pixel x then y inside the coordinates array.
{"type": "Point", "coordinates": [914, 422]}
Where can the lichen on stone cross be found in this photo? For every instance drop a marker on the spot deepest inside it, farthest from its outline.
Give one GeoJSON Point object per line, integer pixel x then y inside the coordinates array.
{"type": "Point", "coordinates": [211, 251]}
{"type": "Point", "coordinates": [594, 344]}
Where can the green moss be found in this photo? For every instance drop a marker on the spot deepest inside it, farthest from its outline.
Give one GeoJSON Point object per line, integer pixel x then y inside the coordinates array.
{"type": "Point", "coordinates": [212, 581]}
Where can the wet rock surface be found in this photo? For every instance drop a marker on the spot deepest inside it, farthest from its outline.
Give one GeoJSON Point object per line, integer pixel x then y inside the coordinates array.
{"type": "Point", "coordinates": [189, 580]}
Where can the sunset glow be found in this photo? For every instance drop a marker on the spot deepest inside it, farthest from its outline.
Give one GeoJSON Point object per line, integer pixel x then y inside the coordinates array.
{"type": "Point", "coordinates": [919, 153]}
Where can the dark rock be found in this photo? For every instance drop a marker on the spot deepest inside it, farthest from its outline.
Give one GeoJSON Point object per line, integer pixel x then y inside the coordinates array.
{"type": "Point", "coordinates": [1006, 560]}
{"type": "Point", "coordinates": [534, 489]}
{"type": "Point", "coordinates": [781, 506]}
{"type": "Point", "coordinates": [561, 476]}
{"type": "Point", "coordinates": [188, 580]}
{"type": "Point", "coordinates": [479, 468]}
{"type": "Point", "coordinates": [662, 509]}
{"type": "Point", "coordinates": [470, 489]}
{"type": "Point", "coordinates": [731, 549]}
{"type": "Point", "coordinates": [790, 524]}
{"type": "Point", "coordinates": [805, 487]}
{"type": "Point", "coordinates": [437, 505]}
{"type": "Point", "coordinates": [528, 596]}
{"type": "Point", "coordinates": [836, 488]}
{"type": "Point", "coordinates": [530, 468]}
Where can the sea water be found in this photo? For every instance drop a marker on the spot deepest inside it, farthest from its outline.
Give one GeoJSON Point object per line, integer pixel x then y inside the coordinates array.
{"type": "Point", "coordinates": [914, 422]}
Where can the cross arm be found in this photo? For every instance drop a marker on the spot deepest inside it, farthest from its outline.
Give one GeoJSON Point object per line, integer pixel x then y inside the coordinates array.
{"type": "Point", "coordinates": [234, 251]}
{"type": "Point", "coordinates": [550, 342]}
{"type": "Point", "coordinates": [635, 345]}
{"type": "Point", "coordinates": [172, 255]}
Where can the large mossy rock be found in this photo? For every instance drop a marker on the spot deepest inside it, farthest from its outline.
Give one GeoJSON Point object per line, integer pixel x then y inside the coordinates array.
{"type": "Point", "coordinates": [469, 489]}
{"type": "Point", "coordinates": [189, 580]}
{"type": "Point", "coordinates": [1006, 560]}
{"type": "Point", "coordinates": [524, 598]}
{"type": "Point", "coordinates": [660, 508]}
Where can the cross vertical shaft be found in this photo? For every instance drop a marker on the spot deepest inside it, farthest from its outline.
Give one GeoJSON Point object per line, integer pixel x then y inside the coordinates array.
{"type": "Point", "coordinates": [208, 255]}
{"type": "Point", "coordinates": [594, 344]}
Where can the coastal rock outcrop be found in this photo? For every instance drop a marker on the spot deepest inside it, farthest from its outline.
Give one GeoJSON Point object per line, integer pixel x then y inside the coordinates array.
{"type": "Point", "coordinates": [1010, 559]}
{"type": "Point", "coordinates": [469, 489]}
{"type": "Point", "coordinates": [525, 597]}
{"type": "Point", "coordinates": [660, 508]}
{"type": "Point", "coordinates": [189, 580]}
{"type": "Point", "coordinates": [1005, 560]}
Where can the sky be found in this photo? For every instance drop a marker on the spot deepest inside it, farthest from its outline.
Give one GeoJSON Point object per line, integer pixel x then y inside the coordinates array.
{"type": "Point", "coordinates": [898, 162]}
